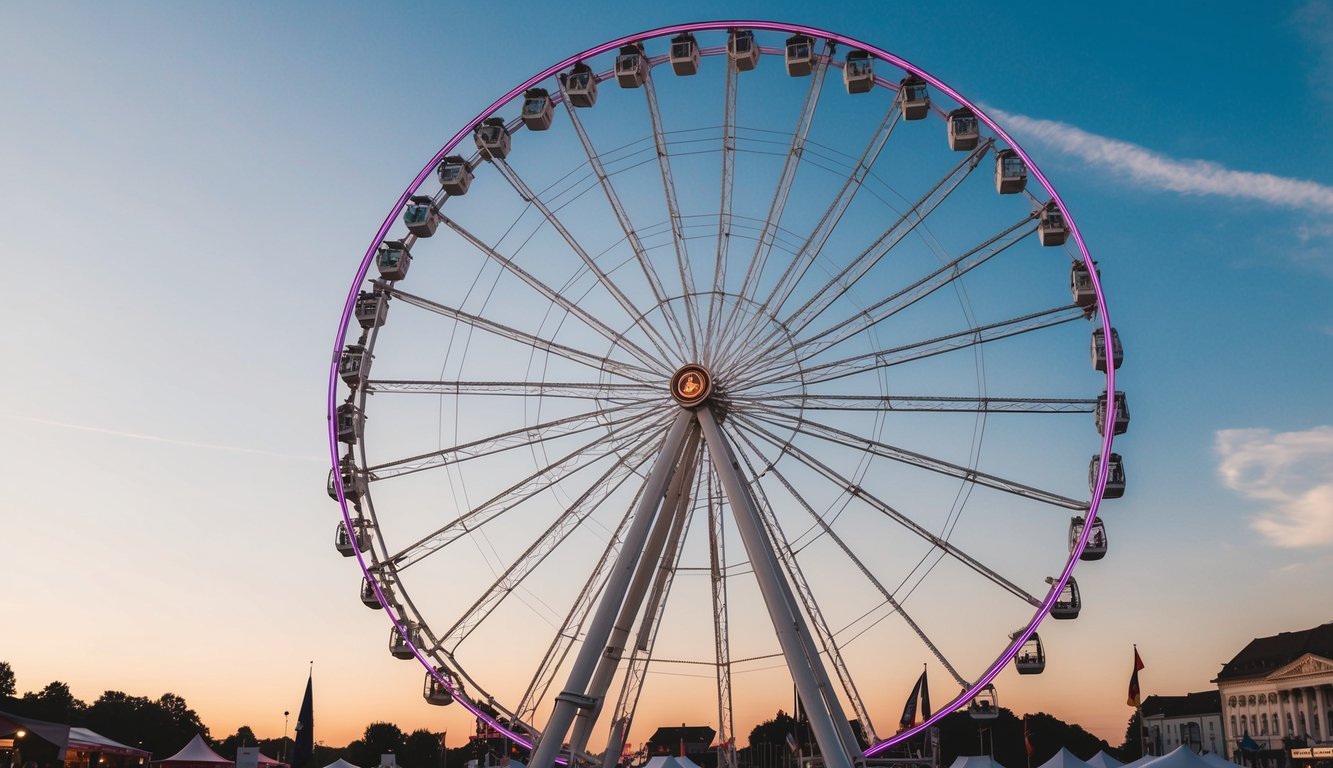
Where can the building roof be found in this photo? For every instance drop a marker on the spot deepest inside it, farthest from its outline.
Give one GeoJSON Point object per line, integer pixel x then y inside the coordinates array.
{"type": "Point", "coordinates": [688, 735]}
{"type": "Point", "coordinates": [1265, 655]}
{"type": "Point", "coordinates": [1200, 703]}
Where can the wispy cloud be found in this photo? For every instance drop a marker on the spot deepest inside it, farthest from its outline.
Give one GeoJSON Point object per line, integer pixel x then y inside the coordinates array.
{"type": "Point", "coordinates": [1290, 474]}
{"type": "Point", "coordinates": [1314, 22]}
{"type": "Point", "coordinates": [163, 440]}
{"type": "Point", "coordinates": [1188, 177]}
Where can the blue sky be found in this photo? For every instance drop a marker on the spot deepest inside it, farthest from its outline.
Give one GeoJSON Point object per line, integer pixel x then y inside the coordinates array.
{"type": "Point", "coordinates": [185, 192]}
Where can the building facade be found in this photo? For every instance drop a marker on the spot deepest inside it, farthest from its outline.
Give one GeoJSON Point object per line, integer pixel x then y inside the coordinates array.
{"type": "Point", "coordinates": [1193, 720]}
{"type": "Point", "coordinates": [1277, 694]}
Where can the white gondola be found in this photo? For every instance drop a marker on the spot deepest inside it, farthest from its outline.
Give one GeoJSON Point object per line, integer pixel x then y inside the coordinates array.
{"type": "Point", "coordinates": [858, 72]}
{"type": "Point", "coordinates": [400, 644]}
{"type": "Point", "coordinates": [350, 423]}
{"type": "Point", "coordinates": [1097, 541]}
{"type": "Point", "coordinates": [492, 138]}
{"type": "Point", "coordinates": [1081, 287]}
{"type": "Point", "coordinates": [354, 483]}
{"type": "Point", "coordinates": [1011, 174]}
{"type": "Point", "coordinates": [455, 175]}
{"type": "Point", "coordinates": [964, 130]}
{"type": "Point", "coordinates": [743, 49]}
{"type": "Point", "coordinates": [1068, 604]}
{"type": "Point", "coordinates": [684, 54]}
{"type": "Point", "coordinates": [1051, 228]}
{"type": "Point", "coordinates": [393, 259]}
{"type": "Point", "coordinates": [372, 308]}
{"type": "Point", "coordinates": [538, 109]}
{"type": "Point", "coordinates": [800, 55]}
{"type": "Point", "coordinates": [368, 597]}
{"type": "Point", "coordinates": [1099, 350]}
{"type": "Point", "coordinates": [349, 544]}
{"type": "Point", "coordinates": [435, 692]}
{"type": "Point", "coordinates": [421, 216]}
{"type": "Point", "coordinates": [354, 365]}
{"type": "Point", "coordinates": [985, 705]}
{"type": "Point", "coordinates": [1031, 658]}
{"type": "Point", "coordinates": [913, 98]}
{"type": "Point", "coordinates": [581, 86]}
{"type": "Point", "coordinates": [1121, 413]}
{"type": "Point", "coordinates": [631, 66]}
{"type": "Point", "coordinates": [1115, 476]}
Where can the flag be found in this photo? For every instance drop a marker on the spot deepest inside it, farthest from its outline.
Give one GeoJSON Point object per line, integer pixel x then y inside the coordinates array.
{"type": "Point", "coordinates": [925, 696]}
{"type": "Point", "coordinates": [1133, 699]}
{"type": "Point", "coordinates": [1027, 737]}
{"type": "Point", "coordinates": [305, 728]}
{"type": "Point", "coordinates": [793, 744]}
{"type": "Point", "coordinates": [909, 709]}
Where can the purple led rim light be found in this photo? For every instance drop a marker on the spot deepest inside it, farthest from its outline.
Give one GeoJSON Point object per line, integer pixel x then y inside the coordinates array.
{"type": "Point", "coordinates": [1033, 170]}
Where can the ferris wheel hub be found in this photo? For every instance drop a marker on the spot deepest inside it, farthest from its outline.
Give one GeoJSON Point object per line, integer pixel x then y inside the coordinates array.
{"type": "Point", "coordinates": [691, 385]}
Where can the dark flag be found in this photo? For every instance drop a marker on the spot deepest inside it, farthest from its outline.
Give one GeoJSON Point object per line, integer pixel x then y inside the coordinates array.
{"type": "Point", "coordinates": [909, 709]}
{"type": "Point", "coordinates": [925, 696]}
{"type": "Point", "coordinates": [1133, 699]}
{"type": "Point", "coordinates": [1027, 739]}
{"type": "Point", "coordinates": [305, 729]}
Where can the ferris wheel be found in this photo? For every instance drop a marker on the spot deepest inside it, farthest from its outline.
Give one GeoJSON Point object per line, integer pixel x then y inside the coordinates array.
{"type": "Point", "coordinates": [715, 359]}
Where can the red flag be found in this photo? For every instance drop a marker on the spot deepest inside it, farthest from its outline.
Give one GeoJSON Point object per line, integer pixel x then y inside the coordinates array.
{"type": "Point", "coordinates": [1027, 737]}
{"type": "Point", "coordinates": [1133, 699]}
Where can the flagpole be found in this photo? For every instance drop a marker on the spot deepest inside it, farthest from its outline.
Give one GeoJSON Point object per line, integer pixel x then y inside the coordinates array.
{"type": "Point", "coordinates": [1138, 706]}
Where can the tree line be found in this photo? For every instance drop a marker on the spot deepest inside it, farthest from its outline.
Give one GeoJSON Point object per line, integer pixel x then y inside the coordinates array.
{"type": "Point", "coordinates": [165, 724]}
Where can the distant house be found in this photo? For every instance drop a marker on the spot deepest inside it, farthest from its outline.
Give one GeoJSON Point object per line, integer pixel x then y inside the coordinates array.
{"type": "Point", "coordinates": [692, 741]}
{"type": "Point", "coordinates": [1277, 693]}
{"type": "Point", "coordinates": [1193, 720]}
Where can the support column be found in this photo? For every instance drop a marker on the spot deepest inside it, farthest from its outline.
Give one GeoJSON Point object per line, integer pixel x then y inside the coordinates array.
{"type": "Point", "coordinates": [812, 682]}
{"type": "Point", "coordinates": [574, 696]}
{"type": "Point", "coordinates": [1321, 713]}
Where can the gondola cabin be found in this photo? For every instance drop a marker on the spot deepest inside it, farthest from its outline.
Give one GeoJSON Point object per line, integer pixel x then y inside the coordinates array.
{"type": "Point", "coordinates": [1081, 287]}
{"type": "Point", "coordinates": [1031, 658]}
{"type": "Point", "coordinates": [631, 66]}
{"type": "Point", "coordinates": [964, 130]}
{"type": "Point", "coordinates": [349, 544]}
{"type": "Point", "coordinates": [858, 72]}
{"type": "Point", "coordinates": [1115, 476]}
{"type": "Point", "coordinates": [800, 55]}
{"type": "Point", "coordinates": [985, 705]}
{"type": "Point", "coordinates": [1011, 174]}
{"type": "Point", "coordinates": [492, 138]}
{"type": "Point", "coordinates": [354, 365]}
{"type": "Point", "coordinates": [350, 423]}
{"type": "Point", "coordinates": [1067, 605]}
{"type": "Point", "coordinates": [421, 216]}
{"type": "Point", "coordinates": [435, 692]}
{"type": "Point", "coordinates": [368, 596]}
{"type": "Point", "coordinates": [393, 259]}
{"type": "Point", "coordinates": [742, 49]}
{"type": "Point", "coordinates": [913, 98]}
{"type": "Point", "coordinates": [354, 483]}
{"type": "Point", "coordinates": [538, 109]}
{"type": "Point", "coordinates": [1099, 355]}
{"type": "Point", "coordinates": [401, 644]}
{"type": "Point", "coordinates": [1051, 228]}
{"type": "Point", "coordinates": [1097, 541]}
{"type": "Point", "coordinates": [455, 175]}
{"type": "Point", "coordinates": [372, 308]}
{"type": "Point", "coordinates": [581, 86]}
{"type": "Point", "coordinates": [1121, 413]}
{"type": "Point", "coordinates": [684, 54]}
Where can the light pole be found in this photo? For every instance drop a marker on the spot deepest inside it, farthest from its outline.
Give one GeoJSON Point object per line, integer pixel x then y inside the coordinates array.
{"type": "Point", "coordinates": [285, 714]}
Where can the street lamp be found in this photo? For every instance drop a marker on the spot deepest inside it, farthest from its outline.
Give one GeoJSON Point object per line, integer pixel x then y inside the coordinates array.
{"type": "Point", "coordinates": [285, 714]}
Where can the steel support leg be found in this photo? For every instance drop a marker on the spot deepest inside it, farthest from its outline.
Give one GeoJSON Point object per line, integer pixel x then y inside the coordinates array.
{"type": "Point", "coordinates": [827, 719]}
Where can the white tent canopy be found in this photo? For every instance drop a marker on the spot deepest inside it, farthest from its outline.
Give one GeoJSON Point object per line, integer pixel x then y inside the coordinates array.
{"type": "Point", "coordinates": [1180, 757]}
{"type": "Point", "coordinates": [671, 762]}
{"type": "Point", "coordinates": [1064, 759]}
{"type": "Point", "coordinates": [974, 761]}
{"type": "Point", "coordinates": [196, 753]}
{"type": "Point", "coordinates": [1218, 761]}
{"type": "Point", "coordinates": [341, 763]}
{"type": "Point", "coordinates": [1103, 760]}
